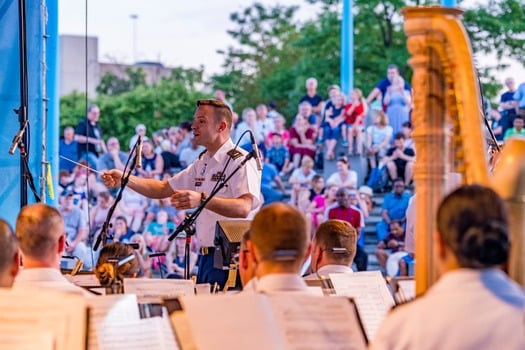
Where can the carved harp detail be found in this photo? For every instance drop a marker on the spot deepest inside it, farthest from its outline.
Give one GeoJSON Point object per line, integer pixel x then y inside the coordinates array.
{"type": "Point", "coordinates": [448, 131]}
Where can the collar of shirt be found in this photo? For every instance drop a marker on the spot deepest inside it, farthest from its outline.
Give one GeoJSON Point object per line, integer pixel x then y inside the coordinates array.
{"type": "Point", "coordinates": [221, 152]}
{"type": "Point", "coordinates": [282, 282]}
{"type": "Point", "coordinates": [328, 269]}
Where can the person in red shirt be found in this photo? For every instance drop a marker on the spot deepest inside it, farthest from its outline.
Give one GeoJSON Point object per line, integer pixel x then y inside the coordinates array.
{"type": "Point", "coordinates": [355, 112]}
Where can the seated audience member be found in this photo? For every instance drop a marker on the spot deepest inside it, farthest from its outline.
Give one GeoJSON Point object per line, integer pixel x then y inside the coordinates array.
{"type": "Point", "coordinates": [9, 258]}
{"type": "Point", "coordinates": [159, 231]}
{"type": "Point", "coordinates": [393, 243]}
{"type": "Point", "coordinates": [406, 129]}
{"type": "Point", "coordinates": [278, 247]}
{"type": "Point", "coordinates": [366, 195]}
{"type": "Point", "coordinates": [249, 123]}
{"type": "Point", "coordinates": [315, 211]}
{"type": "Point", "coordinates": [334, 125]}
{"type": "Point", "coordinates": [355, 113]}
{"type": "Point", "coordinates": [133, 206]}
{"type": "Point", "coordinates": [108, 273]}
{"type": "Point", "coordinates": [333, 249]}
{"type": "Point", "coordinates": [301, 179]}
{"type": "Point", "coordinates": [377, 139]}
{"type": "Point", "coordinates": [76, 230]}
{"type": "Point", "coordinates": [394, 207]}
{"type": "Point", "coordinates": [189, 154]}
{"type": "Point", "coordinates": [246, 266]}
{"type": "Point", "coordinates": [400, 160]}
{"type": "Point", "coordinates": [152, 165]}
{"type": "Point", "coordinates": [517, 130]}
{"type": "Point", "coordinates": [269, 176]}
{"type": "Point", "coordinates": [121, 231]}
{"type": "Point", "coordinates": [344, 177]}
{"type": "Point", "coordinates": [473, 304]}
{"type": "Point", "coordinates": [279, 128]}
{"type": "Point", "coordinates": [40, 232]}
{"type": "Point", "coordinates": [302, 141]}
{"type": "Point", "coordinates": [114, 158]}
{"type": "Point", "coordinates": [176, 258]}
{"type": "Point", "coordinates": [158, 205]}
{"type": "Point", "coordinates": [68, 148]}
{"type": "Point", "coordinates": [140, 130]}
{"type": "Point", "coordinates": [142, 255]}
{"type": "Point", "coordinates": [279, 155]}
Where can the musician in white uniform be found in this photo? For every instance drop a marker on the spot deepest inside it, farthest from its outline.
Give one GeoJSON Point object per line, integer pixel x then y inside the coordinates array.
{"type": "Point", "coordinates": [279, 246]}
{"type": "Point", "coordinates": [189, 188]}
{"type": "Point", "coordinates": [474, 304]}
{"type": "Point", "coordinates": [333, 249]}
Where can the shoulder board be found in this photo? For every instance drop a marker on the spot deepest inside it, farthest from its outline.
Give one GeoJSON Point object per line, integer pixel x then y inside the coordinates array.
{"type": "Point", "coordinates": [234, 153]}
{"type": "Point", "coordinates": [202, 153]}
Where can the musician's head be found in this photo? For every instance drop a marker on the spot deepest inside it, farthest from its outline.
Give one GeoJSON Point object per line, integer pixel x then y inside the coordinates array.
{"type": "Point", "coordinates": [472, 227]}
{"type": "Point", "coordinates": [9, 258]}
{"type": "Point", "coordinates": [41, 235]}
{"type": "Point", "coordinates": [279, 239]}
{"type": "Point", "coordinates": [109, 258]}
{"type": "Point", "coordinates": [334, 243]}
{"type": "Point", "coordinates": [246, 262]}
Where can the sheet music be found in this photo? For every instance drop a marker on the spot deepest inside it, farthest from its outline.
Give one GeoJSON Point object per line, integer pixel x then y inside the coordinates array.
{"type": "Point", "coordinates": [151, 291]}
{"type": "Point", "coordinates": [63, 315]}
{"type": "Point", "coordinates": [261, 322]}
{"type": "Point", "coordinates": [371, 295]}
{"type": "Point", "coordinates": [84, 280]}
{"type": "Point", "coordinates": [148, 333]}
{"type": "Point", "coordinates": [110, 309]}
{"type": "Point", "coordinates": [307, 322]}
{"type": "Point", "coordinates": [18, 340]}
{"type": "Point", "coordinates": [407, 289]}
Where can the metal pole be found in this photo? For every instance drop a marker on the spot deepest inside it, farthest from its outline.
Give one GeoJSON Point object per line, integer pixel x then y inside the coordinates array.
{"type": "Point", "coordinates": [449, 3]}
{"type": "Point", "coordinates": [22, 112]}
{"type": "Point", "coordinates": [134, 18]}
{"type": "Point", "coordinates": [347, 48]}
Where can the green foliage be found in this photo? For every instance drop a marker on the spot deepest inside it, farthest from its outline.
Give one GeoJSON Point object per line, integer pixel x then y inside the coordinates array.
{"type": "Point", "coordinates": [111, 84]}
{"type": "Point", "coordinates": [165, 104]}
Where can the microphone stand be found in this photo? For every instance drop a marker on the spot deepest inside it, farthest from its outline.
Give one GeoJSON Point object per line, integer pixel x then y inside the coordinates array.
{"type": "Point", "coordinates": [188, 224]}
{"type": "Point", "coordinates": [103, 235]}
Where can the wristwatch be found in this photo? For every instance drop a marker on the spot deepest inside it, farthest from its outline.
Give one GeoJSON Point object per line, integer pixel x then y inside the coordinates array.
{"type": "Point", "coordinates": [204, 196]}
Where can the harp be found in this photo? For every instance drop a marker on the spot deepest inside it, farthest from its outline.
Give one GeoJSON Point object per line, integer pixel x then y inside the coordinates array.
{"type": "Point", "coordinates": [449, 133]}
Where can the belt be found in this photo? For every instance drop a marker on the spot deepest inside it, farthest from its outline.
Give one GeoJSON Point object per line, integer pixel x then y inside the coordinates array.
{"type": "Point", "coordinates": [206, 250]}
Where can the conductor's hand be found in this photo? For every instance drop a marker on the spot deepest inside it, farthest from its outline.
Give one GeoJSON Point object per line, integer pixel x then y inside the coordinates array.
{"type": "Point", "coordinates": [112, 178]}
{"type": "Point", "coordinates": [185, 199]}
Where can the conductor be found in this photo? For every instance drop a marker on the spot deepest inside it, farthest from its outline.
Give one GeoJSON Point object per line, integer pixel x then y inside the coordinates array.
{"type": "Point", "coordinates": [189, 188]}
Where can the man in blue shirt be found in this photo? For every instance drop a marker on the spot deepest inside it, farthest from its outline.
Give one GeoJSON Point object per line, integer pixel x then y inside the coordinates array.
{"type": "Point", "coordinates": [380, 90]}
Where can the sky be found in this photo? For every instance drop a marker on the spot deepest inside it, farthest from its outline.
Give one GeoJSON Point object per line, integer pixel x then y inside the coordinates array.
{"type": "Point", "coordinates": [175, 32]}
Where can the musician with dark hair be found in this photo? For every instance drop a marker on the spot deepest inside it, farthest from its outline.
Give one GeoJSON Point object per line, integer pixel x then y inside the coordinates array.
{"type": "Point", "coordinates": [474, 304]}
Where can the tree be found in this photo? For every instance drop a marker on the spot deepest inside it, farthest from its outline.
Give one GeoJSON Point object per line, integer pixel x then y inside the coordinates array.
{"type": "Point", "coordinates": [111, 84]}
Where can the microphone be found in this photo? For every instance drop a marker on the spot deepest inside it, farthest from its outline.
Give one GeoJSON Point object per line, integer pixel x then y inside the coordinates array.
{"type": "Point", "coordinates": [255, 151]}
{"type": "Point", "coordinates": [18, 138]}
{"type": "Point", "coordinates": [138, 158]}
{"type": "Point", "coordinates": [155, 255]}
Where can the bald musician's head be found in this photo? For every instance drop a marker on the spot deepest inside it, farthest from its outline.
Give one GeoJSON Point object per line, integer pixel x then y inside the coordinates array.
{"type": "Point", "coordinates": [279, 239]}
{"type": "Point", "coordinates": [334, 243]}
{"type": "Point", "coordinates": [40, 233]}
{"type": "Point", "coordinates": [9, 259]}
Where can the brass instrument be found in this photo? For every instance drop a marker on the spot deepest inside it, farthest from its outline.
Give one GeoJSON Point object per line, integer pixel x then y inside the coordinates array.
{"type": "Point", "coordinates": [448, 130]}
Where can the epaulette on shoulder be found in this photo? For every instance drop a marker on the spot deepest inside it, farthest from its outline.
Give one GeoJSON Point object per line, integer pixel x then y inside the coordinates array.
{"type": "Point", "coordinates": [234, 153]}
{"type": "Point", "coordinates": [202, 153]}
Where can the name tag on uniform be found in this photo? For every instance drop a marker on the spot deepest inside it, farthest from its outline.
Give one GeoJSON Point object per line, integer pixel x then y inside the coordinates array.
{"type": "Point", "coordinates": [218, 176]}
{"type": "Point", "coordinates": [199, 181]}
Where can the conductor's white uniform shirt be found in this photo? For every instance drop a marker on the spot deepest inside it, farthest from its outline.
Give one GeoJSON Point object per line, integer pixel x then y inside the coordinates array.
{"type": "Point", "coordinates": [465, 309]}
{"type": "Point", "coordinates": [203, 174]}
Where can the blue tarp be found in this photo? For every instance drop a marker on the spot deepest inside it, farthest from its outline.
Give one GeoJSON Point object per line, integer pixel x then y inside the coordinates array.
{"type": "Point", "coordinates": [10, 173]}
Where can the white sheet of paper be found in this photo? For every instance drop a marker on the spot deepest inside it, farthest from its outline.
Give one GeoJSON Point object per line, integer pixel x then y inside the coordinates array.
{"type": "Point", "coordinates": [150, 291]}
{"type": "Point", "coordinates": [149, 333]}
{"type": "Point", "coordinates": [61, 314]}
{"type": "Point", "coordinates": [371, 295]}
{"type": "Point", "coordinates": [408, 288]}
{"type": "Point", "coordinates": [84, 280]}
{"type": "Point", "coordinates": [110, 309]}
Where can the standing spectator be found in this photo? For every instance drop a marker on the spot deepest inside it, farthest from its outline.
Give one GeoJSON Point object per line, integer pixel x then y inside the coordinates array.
{"type": "Point", "coordinates": [519, 96]}
{"type": "Point", "coordinates": [398, 103]}
{"type": "Point", "coordinates": [508, 106]}
{"type": "Point", "coordinates": [312, 97]}
{"type": "Point", "coordinates": [114, 158]}
{"type": "Point", "coordinates": [517, 130]}
{"type": "Point", "coordinates": [68, 147]}
{"type": "Point", "coordinates": [400, 160]}
{"type": "Point", "coordinates": [333, 92]}
{"type": "Point", "coordinates": [88, 136]}
{"type": "Point", "coordinates": [355, 113]}
{"type": "Point", "coordinates": [394, 207]}
{"type": "Point", "coordinates": [140, 130]}
{"type": "Point", "coordinates": [379, 91]}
